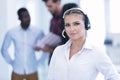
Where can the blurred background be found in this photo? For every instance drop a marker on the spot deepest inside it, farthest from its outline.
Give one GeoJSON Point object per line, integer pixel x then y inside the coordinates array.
{"type": "Point", "coordinates": [104, 16]}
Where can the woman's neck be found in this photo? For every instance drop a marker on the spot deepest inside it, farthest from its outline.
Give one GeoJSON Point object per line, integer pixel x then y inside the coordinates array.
{"type": "Point", "coordinates": [76, 46]}
{"type": "Point", "coordinates": [78, 43]}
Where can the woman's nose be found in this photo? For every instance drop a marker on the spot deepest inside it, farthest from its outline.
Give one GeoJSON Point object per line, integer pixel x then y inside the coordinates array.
{"type": "Point", "coordinates": [71, 28]}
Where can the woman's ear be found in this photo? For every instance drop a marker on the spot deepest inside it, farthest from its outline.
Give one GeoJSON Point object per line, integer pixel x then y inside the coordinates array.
{"type": "Point", "coordinates": [63, 33]}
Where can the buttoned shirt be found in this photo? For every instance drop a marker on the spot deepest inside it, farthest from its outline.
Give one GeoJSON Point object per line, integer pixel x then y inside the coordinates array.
{"type": "Point", "coordinates": [25, 61]}
{"type": "Point", "coordinates": [84, 65]}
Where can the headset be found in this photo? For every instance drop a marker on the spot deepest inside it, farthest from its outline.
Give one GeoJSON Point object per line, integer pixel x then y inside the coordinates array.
{"type": "Point", "coordinates": [87, 21]}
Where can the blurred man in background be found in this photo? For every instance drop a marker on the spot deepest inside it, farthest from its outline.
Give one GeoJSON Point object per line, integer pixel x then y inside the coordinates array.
{"type": "Point", "coordinates": [24, 38]}
{"type": "Point", "coordinates": [55, 24]}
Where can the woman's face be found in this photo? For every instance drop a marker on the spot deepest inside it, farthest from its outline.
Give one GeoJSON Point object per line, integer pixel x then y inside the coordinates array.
{"type": "Point", "coordinates": [74, 26]}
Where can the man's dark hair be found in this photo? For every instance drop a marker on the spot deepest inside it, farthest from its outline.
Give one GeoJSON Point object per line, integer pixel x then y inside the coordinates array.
{"type": "Point", "coordinates": [68, 6]}
{"type": "Point", "coordinates": [52, 0]}
{"type": "Point", "coordinates": [21, 10]}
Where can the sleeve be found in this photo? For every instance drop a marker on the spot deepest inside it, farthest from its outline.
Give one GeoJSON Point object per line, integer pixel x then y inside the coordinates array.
{"type": "Point", "coordinates": [4, 50]}
{"type": "Point", "coordinates": [40, 35]}
{"type": "Point", "coordinates": [106, 67]}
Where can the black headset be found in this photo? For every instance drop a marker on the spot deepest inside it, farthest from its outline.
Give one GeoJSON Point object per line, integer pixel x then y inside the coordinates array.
{"type": "Point", "coordinates": [87, 21]}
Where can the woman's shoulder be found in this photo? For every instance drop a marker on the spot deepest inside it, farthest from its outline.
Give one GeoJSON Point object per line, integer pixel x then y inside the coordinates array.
{"type": "Point", "coordinates": [60, 47]}
{"type": "Point", "coordinates": [59, 50]}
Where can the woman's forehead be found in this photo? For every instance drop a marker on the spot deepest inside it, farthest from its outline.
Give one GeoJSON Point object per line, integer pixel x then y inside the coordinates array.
{"type": "Point", "coordinates": [76, 16]}
{"type": "Point", "coordinates": [73, 11]}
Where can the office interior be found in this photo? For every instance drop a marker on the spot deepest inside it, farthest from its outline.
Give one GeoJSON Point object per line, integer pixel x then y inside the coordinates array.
{"type": "Point", "coordinates": [104, 16]}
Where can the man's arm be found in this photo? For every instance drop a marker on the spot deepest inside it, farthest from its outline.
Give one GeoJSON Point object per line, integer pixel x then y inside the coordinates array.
{"type": "Point", "coordinates": [4, 50]}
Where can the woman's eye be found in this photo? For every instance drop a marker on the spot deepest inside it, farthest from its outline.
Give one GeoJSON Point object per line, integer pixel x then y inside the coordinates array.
{"type": "Point", "coordinates": [67, 25]}
{"type": "Point", "coordinates": [76, 23]}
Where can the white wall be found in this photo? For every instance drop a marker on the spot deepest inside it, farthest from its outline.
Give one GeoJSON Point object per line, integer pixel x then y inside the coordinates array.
{"type": "Point", "coordinates": [3, 65]}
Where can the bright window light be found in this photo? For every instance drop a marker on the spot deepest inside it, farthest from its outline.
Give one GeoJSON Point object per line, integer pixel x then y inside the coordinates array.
{"type": "Point", "coordinates": [114, 16]}
{"type": "Point", "coordinates": [95, 12]}
{"type": "Point", "coordinates": [32, 10]}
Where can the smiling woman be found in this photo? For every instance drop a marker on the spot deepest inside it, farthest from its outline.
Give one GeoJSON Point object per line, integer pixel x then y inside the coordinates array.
{"type": "Point", "coordinates": [78, 58]}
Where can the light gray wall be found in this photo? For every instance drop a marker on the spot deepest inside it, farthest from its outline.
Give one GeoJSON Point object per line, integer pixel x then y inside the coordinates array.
{"type": "Point", "coordinates": [3, 65]}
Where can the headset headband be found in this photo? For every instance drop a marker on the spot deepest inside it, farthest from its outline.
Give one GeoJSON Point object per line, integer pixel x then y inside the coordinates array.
{"type": "Point", "coordinates": [79, 9]}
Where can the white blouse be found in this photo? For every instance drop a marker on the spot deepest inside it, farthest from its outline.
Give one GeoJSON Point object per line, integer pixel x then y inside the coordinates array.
{"type": "Point", "coordinates": [85, 65]}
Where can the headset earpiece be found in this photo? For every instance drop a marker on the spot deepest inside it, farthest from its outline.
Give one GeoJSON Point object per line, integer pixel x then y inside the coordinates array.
{"type": "Point", "coordinates": [87, 23]}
